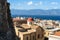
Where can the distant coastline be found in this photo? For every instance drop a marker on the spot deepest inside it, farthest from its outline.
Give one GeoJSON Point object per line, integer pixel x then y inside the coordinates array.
{"type": "Point", "coordinates": [54, 12]}
{"type": "Point", "coordinates": [47, 17]}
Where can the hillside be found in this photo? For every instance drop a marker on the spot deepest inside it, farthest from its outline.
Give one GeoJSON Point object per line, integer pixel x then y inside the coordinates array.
{"type": "Point", "coordinates": [36, 12]}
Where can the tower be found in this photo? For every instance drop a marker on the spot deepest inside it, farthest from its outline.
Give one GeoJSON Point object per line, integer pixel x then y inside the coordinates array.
{"type": "Point", "coordinates": [29, 21]}
{"type": "Point", "coordinates": [6, 25]}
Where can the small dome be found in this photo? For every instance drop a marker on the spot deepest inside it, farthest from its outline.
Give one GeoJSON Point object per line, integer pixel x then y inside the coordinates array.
{"type": "Point", "coordinates": [30, 19]}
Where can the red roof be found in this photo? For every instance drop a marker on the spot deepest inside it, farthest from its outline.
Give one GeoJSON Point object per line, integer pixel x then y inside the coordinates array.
{"type": "Point", "coordinates": [57, 33]}
{"type": "Point", "coordinates": [30, 19]}
{"type": "Point", "coordinates": [16, 19]}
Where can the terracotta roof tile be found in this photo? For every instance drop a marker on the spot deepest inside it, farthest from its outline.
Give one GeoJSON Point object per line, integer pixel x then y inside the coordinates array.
{"type": "Point", "coordinates": [30, 19]}
{"type": "Point", "coordinates": [57, 33]}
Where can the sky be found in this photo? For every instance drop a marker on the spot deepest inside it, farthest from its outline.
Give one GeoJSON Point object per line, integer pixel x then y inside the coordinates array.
{"type": "Point", "coordinates": [34, 4]}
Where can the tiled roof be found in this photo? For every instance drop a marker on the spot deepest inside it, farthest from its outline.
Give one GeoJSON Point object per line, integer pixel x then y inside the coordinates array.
{"type": "Point", "coordinates": [16, 19]}
{"type": "Point", "coordinates": [57, 33]}
{"type": "Point", "coordinates": [30, 19]}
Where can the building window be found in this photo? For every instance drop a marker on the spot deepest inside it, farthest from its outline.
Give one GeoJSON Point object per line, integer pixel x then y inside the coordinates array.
{"type": "Point", "coordinates": [27, 38]}
{"type": "Point", "coordinates": [38, 36]}
{"type": "Point", "coordinates": [33, 37]}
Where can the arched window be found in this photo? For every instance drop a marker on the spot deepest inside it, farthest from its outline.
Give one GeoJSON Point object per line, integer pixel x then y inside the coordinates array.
{"type": "Point", "coordinates": [27, 38]}
{"type": "Point", "coordinates": [39, 36]}
{"type": "Point", "coordinates": [33, 37]}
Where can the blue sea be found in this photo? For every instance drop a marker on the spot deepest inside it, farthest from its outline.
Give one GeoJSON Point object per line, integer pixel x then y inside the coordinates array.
{"type": "Point", "coordinates": [46, 17]}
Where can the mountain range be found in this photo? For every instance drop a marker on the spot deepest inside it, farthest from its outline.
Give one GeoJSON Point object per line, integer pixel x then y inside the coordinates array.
{"type": "Point", "coordinates": [35, 12]}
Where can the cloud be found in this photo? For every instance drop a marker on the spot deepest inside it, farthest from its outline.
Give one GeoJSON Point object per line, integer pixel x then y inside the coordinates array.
{"type": "Point", "coordinates": [30, 3]}
{"type": "Point", "coordinates": [14, 6]}
{"type": "Point", "coordinates": [38, 3]}
{"type": "Point", "coordinates": [55, 7]}
{"type": "Point", "coordinates": [41, 2]}
{"type": "Point", "coordinates": [54, 3]}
